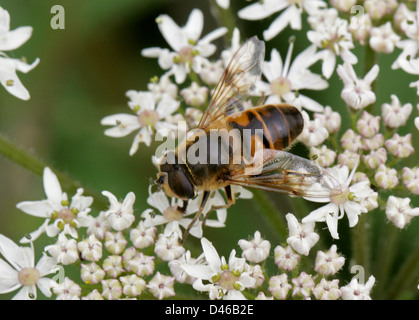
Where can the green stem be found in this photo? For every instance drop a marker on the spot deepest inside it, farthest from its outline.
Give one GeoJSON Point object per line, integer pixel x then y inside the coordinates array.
{"type": "Point", "coordinates": [361, 243]}
{"type": "Point", "coordinates": [35, 165]}
{"type": "Point", "coordinates": [225, 18]}
{"type": "Point", "coordinates": [389, 132]}
{"type": "Point", "coordinates": [333, 139]}
{"type": "Point", "coordinates": [370, 59]}
{"type": "Point", "coordinates": [393, 163]}
{"type": "Point", "coordinates": [386, 252]}
{"type": "Point", "coordinates": [407, 276]}
{"type": "Point", "coordinates": [360, 240]}
{"type": "Point", "coordinates": [354, 114]}
{"type": "Point", "coordinates": [193, 77]}
{"type": "Point", "coordinates": [275, 218]}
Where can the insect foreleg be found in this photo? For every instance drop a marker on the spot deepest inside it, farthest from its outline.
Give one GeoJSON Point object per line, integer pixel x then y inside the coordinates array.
{"type": "Point", "coordinates": [230, 201]}
{"type": "Point", "coordinates": [182, 209]}
{"type": "Point", "coordinates": [205, 198]}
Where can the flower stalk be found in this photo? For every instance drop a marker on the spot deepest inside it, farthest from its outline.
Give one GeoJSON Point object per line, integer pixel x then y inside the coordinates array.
{"type": "Point", "coordinates": [406, 276]}
{"type": "Point", "coordinates": [267, 208]}
{"type": "Point", "coordinates": [31, 162]}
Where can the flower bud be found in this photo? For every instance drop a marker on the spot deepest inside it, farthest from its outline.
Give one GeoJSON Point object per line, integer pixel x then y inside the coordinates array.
{"type": "Point", "coordinates": [90, 249]}
{"type": "Point", "coordinates": [323, 156]}
{"type": "Point", "coordinates": [399, 212]}
{"type": "Point", "coordinates": [112, 289]}
{"type": "Point", "coordinates": [375, 8]}
{"type": "Point", "coordinates": [279, 286]}
{"type": "Point", "coordinates": [373, 143]}
{"type": "Point", "coordinates": [351, 141]}
{"type": "Point", "coordinates": [91, 273]}
{"type": "Point", "coordinates": [386, 178]}
{"type": "Point", "coordinates": [348, 158]}
{"type": "Point", "coordinates": [400, 146]}
{"type": "Point", "coordinates": [394, 114]}
{"type": "Point", "coordinates": [112, 265]}
{"type": "Point", "coordinates": [343, 5]}
{"type": "Point", "coordinates": [375, 158]}
{"type": "Point", "coordinates": [331, 120]}
{"type": "Point", "coordinates": [383, 38]}
{"type": "Point", "coordinates": [195, 95]}
{"type": "Point", "coordinates": [411, 179]}
{"type": "Point", "coordinates": [286, 258]}
{"type": "Point", "coordinates": [368, 125]}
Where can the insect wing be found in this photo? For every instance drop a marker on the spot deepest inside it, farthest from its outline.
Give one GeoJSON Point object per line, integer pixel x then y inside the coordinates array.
{"type": "Point", "coordinates": [243, 70]}
{"type": "Point", "coordinates": [283, 172]}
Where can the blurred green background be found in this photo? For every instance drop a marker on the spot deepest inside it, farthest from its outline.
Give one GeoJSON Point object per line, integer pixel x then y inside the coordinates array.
{"type": "Point", "coordinates": [83, 75]}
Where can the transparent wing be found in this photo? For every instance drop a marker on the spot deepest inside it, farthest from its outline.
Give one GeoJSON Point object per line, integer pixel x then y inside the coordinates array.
{"type": "Point", "coordinates": [243, 70]}
{"type": "Point", "coordinates": [283, 172]}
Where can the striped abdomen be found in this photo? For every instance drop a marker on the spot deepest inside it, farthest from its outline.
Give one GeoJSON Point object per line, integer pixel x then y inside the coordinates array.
{"type": "Point", "coordinates": [280, 123]}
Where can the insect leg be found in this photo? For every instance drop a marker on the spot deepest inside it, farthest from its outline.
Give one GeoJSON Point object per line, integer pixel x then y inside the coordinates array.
{"type": "Point", "coordinates": [205, 198]}
{"type": "Point", "coordinates": [182, 209]}
{"type": "Point", "coordinates": [262, 100]}
{"type": "Point", "coordinates": [230, 201]}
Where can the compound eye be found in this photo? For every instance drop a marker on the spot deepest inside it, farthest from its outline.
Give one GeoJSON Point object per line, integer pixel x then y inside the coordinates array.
{"type": "Point", "coordinates": [180, 184]}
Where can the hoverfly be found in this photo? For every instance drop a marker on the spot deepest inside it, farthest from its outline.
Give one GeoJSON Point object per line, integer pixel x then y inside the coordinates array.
{"type": "Point", "coordinates": [267, 166]}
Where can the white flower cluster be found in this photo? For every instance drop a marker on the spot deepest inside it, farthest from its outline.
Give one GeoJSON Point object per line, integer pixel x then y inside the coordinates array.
{"type": "Point", "coordinates": [11, 40]}
{"type": "Point", "coordinates": [240, 278]}
{"type": "Point", "coordinates": [104, 255]}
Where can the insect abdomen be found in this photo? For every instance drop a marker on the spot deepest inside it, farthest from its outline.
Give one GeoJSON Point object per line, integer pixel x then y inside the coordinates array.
{"type": "Point", "coordinates": [281, 124]}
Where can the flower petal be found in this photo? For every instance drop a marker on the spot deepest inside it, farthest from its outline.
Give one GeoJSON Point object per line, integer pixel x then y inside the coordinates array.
{"type": "Point", "coordinates": [26, 293]}
{"type": "Point", "coordinates": [277, 26]}
{"type": "Point", "coordinates": [25, 67]}
{"type": "Point", "coordinates": [308, 103]}
{"type": "Point", "coordinates": [372, 74]}
{"type": "Point", "coordinates": [153, 52]}
{"type": "Point", "coordinates": [198, 271]}
{"type": "Point", "coordinates": [259, 11]}
{"type": "Point", "coordinates": [113, 201]}
{"type": "Point", "coordinates": [159, 201]}
{"type": "Point", "coordinates": [234, 295]}
{"type": "Point", "coordinates": [42, 208]}
{"type": "Point", "coordinates": [123, 124]}
{"type": "Point", "coordinates": [45, 285]}
{"type": "Point", "coordinates": [143, 136]}
{"type": "Point", "coordinates": [171, 32]}
{"type": "Point", "coordinates": [10, 80]}
{"type": "Point", "coordinates": [52, 187]}
{"type": "Point", "coordinates": [320, 214]}
{"type": "Point", "coordinates": [128, 203]}
{"type": "Point", "coordinates": [329, 63]}
{"type": "Point", "coordinates": [35, 234]}
{"type": "Point", "coordinates": [247, 281]}
{"type": "Point", "coordinates": [15, 38]}
{"type": "Point", "coordinates": [166, 107]}
{"type": "Point", "coordinates": [194, 25]}
{"type": "Point", "coordinates": [8, 278]}
{"type": "Point", "coordinates": [18, 257]}
{"type": "Point", "coordinates": [46, 265]}
{"type": "Point", "coordinates": [293, 225]}
{"type": "Point", "coordinates": [273, 69]}
{"type": "Point", "coordinates": [332, 224]}
{"type": "Point", "coordinates": [211, 254]}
